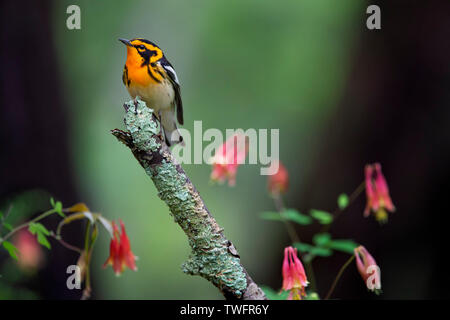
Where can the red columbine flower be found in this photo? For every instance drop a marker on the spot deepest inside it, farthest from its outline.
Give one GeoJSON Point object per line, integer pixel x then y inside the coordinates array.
{"type": "Point", "coordinates": [120, 254]}
{"type": "Point", "coordinates": [368, 269]}
{"type": "Point", "coordinates": [114, 248]}
{"type": "Point", "coordinates": [294, 277]}
{"type": "Point", "coordinates": [126, 255]}
{"type": "Point", "coordinates": [378, 199]}
{"type": "Point", "coordinates": [278, 183]}
{"type": "Point", "coordinates": [227, 159]}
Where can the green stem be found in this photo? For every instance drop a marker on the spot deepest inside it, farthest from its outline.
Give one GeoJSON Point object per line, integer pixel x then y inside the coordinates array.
{"type": "Point", "coordinates": [65, 244]}
{"type": "Point", "coordinates": [26, 224]}
{"type": "Point", "coordinates": [279, 204]}
{"type": "Point", "coordinates": [341, 271]}
{"type": "Point", "coordinates": [337, 212]}
{"type": "Point", "coordinates": [67, 220]}
{"type": "Point", "coordinates": [87, 290]}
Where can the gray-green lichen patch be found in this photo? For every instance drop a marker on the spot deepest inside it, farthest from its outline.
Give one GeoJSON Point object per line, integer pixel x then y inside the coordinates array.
{"type": "Point", "coordinates": [219, 267]}
{"type": "Point", "coordinates": [141, 125]}
{"type": "Point", "coordinates": [210, 257]}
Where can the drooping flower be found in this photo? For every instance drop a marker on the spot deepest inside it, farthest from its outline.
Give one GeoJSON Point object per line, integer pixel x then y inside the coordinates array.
{"type": "Point", "coordinates": [30, 255]}
{"type": "Point", "coordinates": [294, 277]}
{"type": "Point", "coordinates": [368, 269]}
{"type": "Point", "coordinates": [278, 183]}
{"type": "Point", "coordinates": [227, 159]}
{"type": "Point", "coordinates": [377, 192]}
{"type": "Point", "coordinates": [114, 246]}
{"type": "Point", "coordinates": [120, 254]}
{"type": "Point", "coordinates": [126, 255]}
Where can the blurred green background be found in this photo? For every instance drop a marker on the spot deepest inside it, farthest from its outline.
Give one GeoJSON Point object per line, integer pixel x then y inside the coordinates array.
{"type": "Point", "coordinates": [241, 64]}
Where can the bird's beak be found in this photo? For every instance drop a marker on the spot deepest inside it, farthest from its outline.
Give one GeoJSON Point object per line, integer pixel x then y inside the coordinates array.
{"type": "Point", "coordinates": [126, 42]}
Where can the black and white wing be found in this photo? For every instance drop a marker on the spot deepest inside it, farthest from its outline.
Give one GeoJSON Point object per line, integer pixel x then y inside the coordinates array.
{"type": "Point", "coordinates": [176, 85]}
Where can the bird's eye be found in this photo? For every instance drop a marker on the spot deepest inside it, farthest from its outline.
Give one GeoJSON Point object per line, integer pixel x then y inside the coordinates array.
{"type": "Point", "coordinates": [141, 46]}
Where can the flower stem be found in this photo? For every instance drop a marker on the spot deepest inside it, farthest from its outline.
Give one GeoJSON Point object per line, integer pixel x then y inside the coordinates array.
{"type": "Point", "coordinates": [26, 224]}
{"type": "Point", "coordinates": [338, 276]}
{"type": "Point", "coordinates": [64, 243]}
{"type": "Point", "coordinates": [337, 212]}
{"type": "Point", "coordinates": [279, 204]}
{"type": "Point", "coordinates": [87, 289]}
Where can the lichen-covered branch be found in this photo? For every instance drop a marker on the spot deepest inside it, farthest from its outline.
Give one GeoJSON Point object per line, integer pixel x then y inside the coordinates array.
{"type": "Point", "coordinates": [213, 256]}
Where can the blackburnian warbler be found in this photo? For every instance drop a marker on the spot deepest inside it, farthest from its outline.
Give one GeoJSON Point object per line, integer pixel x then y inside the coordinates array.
{"type": "Point", "coordinates": [149, 75]}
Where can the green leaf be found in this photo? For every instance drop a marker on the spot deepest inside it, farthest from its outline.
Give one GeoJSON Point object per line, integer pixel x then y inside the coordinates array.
{"type": "Point", "coordinates": [343, 245]}
{"type": "Point", "coordinates": [58, 207]}
{"type": "Point", "coordinates": [303, 247]}
{"type": "Point", "coordinates": [36, 227]}
{"type": "Point", "coordinates": [342, 201]}
{"type": "Point", "coordinates": [12, 250]}
{"type": "Point", "coordinates": [313, 250]}
{"type": "Point", "coordinates": [322, 216]}
{"type": "Point", "coordinates": [270, 215]}
{"type": "Point", "coordinates": [321, 239]}
{"type": "Point", "coordinates": [297, 217]}
{"type": "Point", "coordinates": [41, 232]}
{"type": "Point", "coordinates": [42, 239]}
{"type": "Point", "coordinates": [273, 295]}
{"type": "Point", "coordinates": [288, 214]}
{"type": "Point", "coordinates": [321, 252]}
{"type": "Point", "coordinates": [7, 226]}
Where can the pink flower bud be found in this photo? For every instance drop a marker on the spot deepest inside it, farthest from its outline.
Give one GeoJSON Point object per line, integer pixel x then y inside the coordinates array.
{"type": "Point", "coordinates": [278, 183]}
{"type": "Point", "coordinates": [227, 159]}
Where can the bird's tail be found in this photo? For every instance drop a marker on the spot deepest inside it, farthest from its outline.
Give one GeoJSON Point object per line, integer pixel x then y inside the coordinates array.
{"type": "Point", "coordinates": [169, 125]}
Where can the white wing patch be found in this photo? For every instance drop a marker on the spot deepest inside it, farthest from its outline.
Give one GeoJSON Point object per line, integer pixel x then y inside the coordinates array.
{"type": "Point", "coordinates": [172, 72]}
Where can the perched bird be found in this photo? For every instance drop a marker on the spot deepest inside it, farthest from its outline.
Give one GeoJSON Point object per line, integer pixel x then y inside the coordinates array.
{"type": "Point", "coordinates": [149, 75]}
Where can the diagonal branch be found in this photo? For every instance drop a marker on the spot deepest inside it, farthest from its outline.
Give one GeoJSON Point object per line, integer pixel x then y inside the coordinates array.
{"type": "Point", "coordinates": [213, 256]}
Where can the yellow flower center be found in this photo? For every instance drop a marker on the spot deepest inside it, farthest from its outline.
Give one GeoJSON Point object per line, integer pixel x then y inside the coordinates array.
{"type": "Point", "coordinates": [381, 215]}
